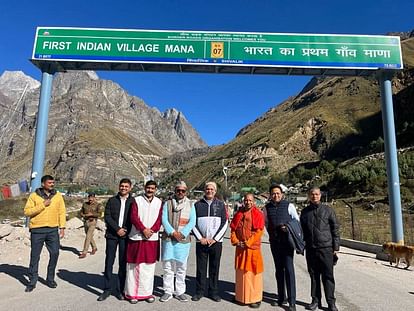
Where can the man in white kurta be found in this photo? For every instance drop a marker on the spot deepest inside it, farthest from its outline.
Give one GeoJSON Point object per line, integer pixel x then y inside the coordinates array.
{"type": "Point", "coordinates": [178, 219]}
{"type": "Point", "coordinates": [143, 248]}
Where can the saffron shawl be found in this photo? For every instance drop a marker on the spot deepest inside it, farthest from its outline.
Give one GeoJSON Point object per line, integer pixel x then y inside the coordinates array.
{"type": "Point", "coordinates": [257, 219]}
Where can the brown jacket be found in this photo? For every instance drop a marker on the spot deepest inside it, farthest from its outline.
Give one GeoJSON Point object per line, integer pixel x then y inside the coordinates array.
{"type": "Point", "coordinates": [95, 209]}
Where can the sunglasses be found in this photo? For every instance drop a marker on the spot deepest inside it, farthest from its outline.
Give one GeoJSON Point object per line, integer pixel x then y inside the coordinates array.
{"type": "Point", "coordinates": [180, 190]}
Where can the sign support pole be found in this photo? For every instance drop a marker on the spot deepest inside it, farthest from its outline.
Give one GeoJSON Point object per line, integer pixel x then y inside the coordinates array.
{"type": "Point", "coordinates": [41, 130]}
{"type": "Point", "coordinates": [391, 157]}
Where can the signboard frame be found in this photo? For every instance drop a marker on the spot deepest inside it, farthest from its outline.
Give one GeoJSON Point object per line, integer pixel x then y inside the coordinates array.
{"type": "Point", "coordinates": [222, 52]}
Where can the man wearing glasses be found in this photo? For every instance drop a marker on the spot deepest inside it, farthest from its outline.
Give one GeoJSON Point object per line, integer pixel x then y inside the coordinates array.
{"type": "Point", "coordinates": [211, 225]}
{"type": "Point", "coordinates": [321, 234]}
{"type": "Point", "coordinates": [178, 219]}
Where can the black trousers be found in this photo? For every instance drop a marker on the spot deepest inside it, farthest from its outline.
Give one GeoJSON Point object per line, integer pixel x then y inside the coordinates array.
{"type": "Point", "coordinates": [285, 272]}
{"type": "Point", "coordinates": [208, 256]}
{"type": "Point", "coordinates": [110, 255]}
{"type": "Point", "coordinates": [38, 237]}
{"type": "Point", "coordinates": [320, 265]}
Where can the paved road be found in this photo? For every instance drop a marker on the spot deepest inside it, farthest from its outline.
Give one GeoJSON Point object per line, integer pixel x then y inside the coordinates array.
{"type": "Point", "coordinates": [363, 283]}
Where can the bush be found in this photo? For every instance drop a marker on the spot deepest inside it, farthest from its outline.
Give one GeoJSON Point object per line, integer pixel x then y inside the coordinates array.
{"type": "Point", "coordinates": [325, 167]}
{"type": "Point", "coordinates": [12, 208]}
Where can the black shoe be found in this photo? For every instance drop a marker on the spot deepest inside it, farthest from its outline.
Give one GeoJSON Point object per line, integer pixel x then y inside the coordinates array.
{"type": "Point", "coordinates": [254, 305]}
{"type": "Point", "coordinates": [104, 295]}
{"type": "Point", "coordinates": [332, 308]}
{"type": "Point", "coordinates": [196, 297]}
{"type": "Point", "coordinates": [279, 303]}
{"type": "Point", "coordinates": [51, 284]}
{"type": "Point", "coordinates": [216, 298]}
{"type": "Point", "coordinates": [313, 305]}
{"type": "Point", "coordinates": [119, 296]}
{"type": "Point", "coordinates": [29, 288]}
{"type": "Point", "coordinates": [292, 307]}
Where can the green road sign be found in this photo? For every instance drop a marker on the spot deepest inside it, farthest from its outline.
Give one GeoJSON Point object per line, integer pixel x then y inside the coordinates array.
{"type": "Point", "coordinates": [65, 45]}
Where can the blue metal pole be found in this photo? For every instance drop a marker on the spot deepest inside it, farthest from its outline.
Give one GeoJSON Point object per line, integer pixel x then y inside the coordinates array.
{"type": "Point", "coordinates": [41, 130]}
{"type": "Point", "coordinates": [391, 157]}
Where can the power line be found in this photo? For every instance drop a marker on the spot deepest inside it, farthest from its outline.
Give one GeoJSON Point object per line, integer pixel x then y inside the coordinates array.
{"type": "Point", "coordinates": [11, 109]}
{"type": "Point", "coordinates": [11, 117]}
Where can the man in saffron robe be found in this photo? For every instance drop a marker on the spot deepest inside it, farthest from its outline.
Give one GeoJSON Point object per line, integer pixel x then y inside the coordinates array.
{"type": "Point", "coordinates": [178, 219]}
{"type": "Point", "coordinates": [247, 229]}
{"type": "Point", "coordinates": [143, 248]}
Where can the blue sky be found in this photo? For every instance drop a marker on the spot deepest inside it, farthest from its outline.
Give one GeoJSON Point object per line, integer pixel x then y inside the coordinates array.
{"type": "Point", "coordinates": [217, 105]}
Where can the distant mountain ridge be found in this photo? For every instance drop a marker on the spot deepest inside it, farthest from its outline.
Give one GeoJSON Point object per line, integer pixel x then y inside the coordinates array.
{"type": "Point", "coordinates": [97, 132]}
{"type": "Point", "coordinates": [331, 118]}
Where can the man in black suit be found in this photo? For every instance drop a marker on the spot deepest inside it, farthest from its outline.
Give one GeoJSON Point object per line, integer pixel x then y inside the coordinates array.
{"type": "Point", "coordinates": [321, 234]}
{"type": "Point", "coordinates": [117, 228]}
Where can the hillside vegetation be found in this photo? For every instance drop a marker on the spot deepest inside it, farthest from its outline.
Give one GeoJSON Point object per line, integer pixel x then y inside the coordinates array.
{"type": "Point", "coordinates": [328, 130]}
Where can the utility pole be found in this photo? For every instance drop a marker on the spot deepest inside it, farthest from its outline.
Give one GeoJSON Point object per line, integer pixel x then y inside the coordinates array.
{"type": "Point", "coordinates": [225, 168]}
{"type": "Point", "coordinates": [150, 174]}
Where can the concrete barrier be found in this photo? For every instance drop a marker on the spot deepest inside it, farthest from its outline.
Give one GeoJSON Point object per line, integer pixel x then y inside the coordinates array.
{"type": "Point", "coordinates": [366, 247]}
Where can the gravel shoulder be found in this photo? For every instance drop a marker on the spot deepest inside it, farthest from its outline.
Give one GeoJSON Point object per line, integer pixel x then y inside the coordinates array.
{"type": "Point", "coordinates": [363, 282]}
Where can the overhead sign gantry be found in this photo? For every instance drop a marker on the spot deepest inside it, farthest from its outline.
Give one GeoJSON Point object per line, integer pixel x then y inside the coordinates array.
{"type": "Point", "coordinates": [61, 49]}
{"type": "Point", "coordinates": [216, 52]}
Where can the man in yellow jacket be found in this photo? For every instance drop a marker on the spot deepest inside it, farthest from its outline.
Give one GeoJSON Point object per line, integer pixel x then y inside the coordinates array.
{"type": "Point", "coordinates": [47, 213]}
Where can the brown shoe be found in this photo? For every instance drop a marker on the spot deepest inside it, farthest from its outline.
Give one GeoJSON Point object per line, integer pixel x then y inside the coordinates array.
{"type": "Point", "coordinates": [82, 255]}
{"type": "Point", "coordinates": [94, 251]}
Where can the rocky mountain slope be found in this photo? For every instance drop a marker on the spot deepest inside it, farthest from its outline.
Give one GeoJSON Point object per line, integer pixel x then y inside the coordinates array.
{"type": "Point", "coordinates": [331, 118]}
{"type": "Point", "coordinates": [97, 132]}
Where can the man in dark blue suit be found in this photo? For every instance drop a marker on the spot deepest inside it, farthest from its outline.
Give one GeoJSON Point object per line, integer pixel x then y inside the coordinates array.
{"type": "Point", "coordinates": [117, 228]}
{"type": "Point", "coordinates": [278, 213]}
